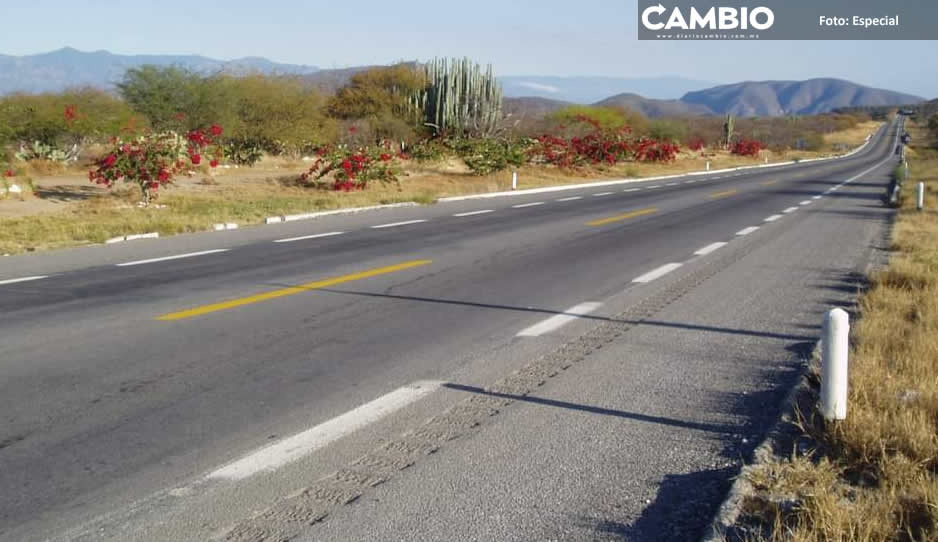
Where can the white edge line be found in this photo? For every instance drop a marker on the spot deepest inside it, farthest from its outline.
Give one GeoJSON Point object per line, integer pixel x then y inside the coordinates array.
{"type": "Point", "coordinates": [395, 224]}
{"type": "Point", "coordinates": [305, 237]}
{"type": "Point", "coordinates": [523, 205]}
{"type": "Point", "coordinates": [555, 322]}
{"type": "Point", "coordinates": [295, 447]}
{"type": "Point", "coordinates": [773, 218]}
{"type": "Point", "coordinates": [747, 231]}
{"type": "Point", "coordinates": [709, 248]}
{"type": "Point", "coordinates": [350, 210]}
{"type": "Point", "coordinates": [23, 279]}
{"type": "Point", "coordinates": [176, 257]}
{"type": "Point", "coordinates": [657, 273]}
{"type": "Point", "coordinates": [473, 213]}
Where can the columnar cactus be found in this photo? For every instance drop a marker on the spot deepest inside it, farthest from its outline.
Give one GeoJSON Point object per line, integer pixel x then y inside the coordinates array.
{"type": "Point", "coordinates": [729, 126]}
{"type": "Point", "coordinates": [460, 98]}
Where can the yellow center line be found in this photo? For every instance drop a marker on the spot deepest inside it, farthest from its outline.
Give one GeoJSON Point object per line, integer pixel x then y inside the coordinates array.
{"type": "Point", "coordinates": [619, 218]}
{"type": "Point", "coordinates": [768, 183]}
{"type": "Point", "coordinates": [726, 194]}
{"type": "Point", "coordinates": [205, 309]}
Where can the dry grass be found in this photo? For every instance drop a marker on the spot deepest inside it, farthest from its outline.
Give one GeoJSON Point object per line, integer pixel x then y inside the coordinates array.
{"type": "Point", "coordinates": [852, 137]}
{"type": "Point", "coordinates": [874, 477]}
{"type": "Point", "coordinates": [247, 196]}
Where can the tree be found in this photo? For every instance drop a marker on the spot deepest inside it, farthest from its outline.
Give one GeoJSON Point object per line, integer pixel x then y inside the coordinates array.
{"type": "Point", "coordinates": [75, 116]}
{"type": "Point", "coordinates": [385, 98]}
{"type": "Point", "coordinates": [175, 98]}
{"type": "Point", "coordinates": [277, 112]}
{"type": "Point", "coordinates": [378, 91]}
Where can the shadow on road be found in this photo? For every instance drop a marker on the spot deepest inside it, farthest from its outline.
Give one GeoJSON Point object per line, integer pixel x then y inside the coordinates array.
{"type": "Point", "coordinates": [658, 323]}
{"type": "Point", "coordinates": [713, 428]}
{"type": "Point", "coordinates": [682, 510]}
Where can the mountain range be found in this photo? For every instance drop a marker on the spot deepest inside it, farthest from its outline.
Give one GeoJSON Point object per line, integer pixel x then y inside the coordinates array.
{"type": "Point", "coordinates": [57, 70]}
{"type": "Point", "coordinates": [526, 95]}
{"type": "Point", "coordinates": [748, 99]}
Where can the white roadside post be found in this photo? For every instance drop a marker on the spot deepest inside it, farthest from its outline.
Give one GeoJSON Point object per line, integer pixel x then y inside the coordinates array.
{"type": "Point", "coordinates": [921, 196]}
{"type": "Point", "coordinates": [708, 166]}
{"type": "Point", "coordinates": [834, 365]}
{"type": "Point", "coordinates": [514, 180]}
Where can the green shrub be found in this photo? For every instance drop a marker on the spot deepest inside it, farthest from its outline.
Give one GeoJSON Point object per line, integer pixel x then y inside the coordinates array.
{"type": "Point", "coordinates": [488, 155]}
{"type": "Point", "coordinates": [74, 117]}
{"type": "Point", "coordinates": [243, 152]}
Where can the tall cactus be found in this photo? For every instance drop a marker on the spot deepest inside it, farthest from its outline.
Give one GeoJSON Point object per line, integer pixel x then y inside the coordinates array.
{"type": "Point", "coordinates": [729, 126]}
{"type": "Point", "coordinates": [460, 98]}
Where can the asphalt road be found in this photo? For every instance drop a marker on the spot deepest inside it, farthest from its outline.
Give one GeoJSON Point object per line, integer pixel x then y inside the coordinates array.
{"type": "Point", "coordinates": [578, 365]}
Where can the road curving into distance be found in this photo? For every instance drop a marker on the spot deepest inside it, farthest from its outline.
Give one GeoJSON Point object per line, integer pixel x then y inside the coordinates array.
{"type": "Point", "coordinates": [585, 364]}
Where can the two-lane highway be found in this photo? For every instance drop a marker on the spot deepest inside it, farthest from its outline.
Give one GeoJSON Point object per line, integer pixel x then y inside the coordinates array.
{"type": "Point", "coordinates": [129, 371]}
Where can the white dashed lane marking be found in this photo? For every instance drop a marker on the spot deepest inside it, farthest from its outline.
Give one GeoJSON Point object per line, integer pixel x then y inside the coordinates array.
{"type": "Point", "coordinates": [523, 205]}
{"type": "Point", "coordinates": [657, 273]}
{"type": "Point", "coordinates": [22, 279]}
{"type": "Point", "coordinates": [747, 231]}
{"type": "Point", "coordinates": [473, 213]}
{"type": "Point", "coordinates": [773, 218]}
{"type": "Point", "coordinates": [176, 257]}
{"type": "Point", "coordinates": [292, 448]}
{"type": "Point", "coordinates": [556, 322]}
{"type": "Point", "coordinates": [396, 224]}
{"type": "Point", "coordinates": [305, 237]}
{"type": "Point", "coordinates": [709, 248]}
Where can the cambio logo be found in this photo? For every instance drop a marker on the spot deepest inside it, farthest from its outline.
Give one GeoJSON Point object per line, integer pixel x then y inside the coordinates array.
{"type": "Point", "coordinates": [760, 18]}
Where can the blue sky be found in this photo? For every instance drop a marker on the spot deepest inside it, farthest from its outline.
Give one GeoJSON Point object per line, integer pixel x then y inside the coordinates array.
{"type": "Point", "coordinates": [520, 37]}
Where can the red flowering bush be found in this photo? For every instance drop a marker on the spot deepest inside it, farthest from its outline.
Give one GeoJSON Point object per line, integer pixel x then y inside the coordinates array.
{"type": "Point", "coordinates": [653, 150]}
{"type": "Point", "coordinates": [154, 159]}
{"type": "Point", "coordinates": [599, 146]}
{"type": "Point", "coordinates": [696, 144]}
{"type": "Point", "coordinates": [747, 147]}
{"type": "Point", "coordinates": [353, 169]}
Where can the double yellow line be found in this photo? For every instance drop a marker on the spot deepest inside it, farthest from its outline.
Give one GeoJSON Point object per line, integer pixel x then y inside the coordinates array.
{"type": "Point", "coordinates": [206, 309]}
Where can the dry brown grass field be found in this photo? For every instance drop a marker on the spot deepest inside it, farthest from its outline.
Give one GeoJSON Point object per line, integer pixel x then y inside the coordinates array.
{"type": "Point", "coordinates": [874, 477]}
{"type": "Point", "coordinates": [67, 210]}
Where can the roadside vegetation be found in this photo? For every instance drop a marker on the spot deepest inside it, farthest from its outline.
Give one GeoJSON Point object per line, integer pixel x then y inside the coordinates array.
{"type": "Point", "coordinates": [874, 477]}
{"type": "Point", "coordinates": [201, 149]}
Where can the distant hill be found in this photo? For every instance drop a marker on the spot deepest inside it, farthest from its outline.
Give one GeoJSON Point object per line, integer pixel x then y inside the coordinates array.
{"type": "Point", "coordinates": [58, 70]}
{"type": "Point", "coordinates": [773, 98]}
{"type": "Point", "coordinates": [329, 81]}
{"type": "Point", "coordinates": [655, 108]}
{"type": "Point", "coordinates": [586, 90]}
{"type": "Point", "coordinates": [529, 106]}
